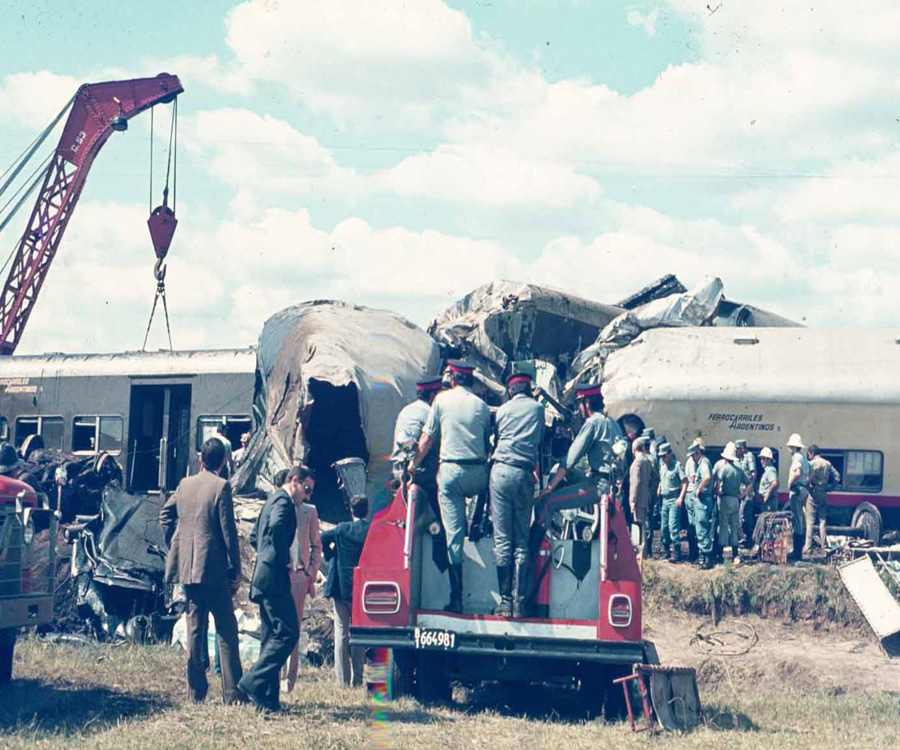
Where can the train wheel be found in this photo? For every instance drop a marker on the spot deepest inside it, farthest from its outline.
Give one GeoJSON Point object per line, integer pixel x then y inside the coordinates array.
{"type": "Point", "coordinates": [432, 684]}
{"type": "Point", "coordinates": [868, 517]}
{"type": "Point", "coordinates": [7, 647]}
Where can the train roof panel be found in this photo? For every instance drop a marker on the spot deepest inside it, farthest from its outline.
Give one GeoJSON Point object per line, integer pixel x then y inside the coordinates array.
{"type": "Point", "coordinates": [197, 362]}
{"type": "Point", "coordinates": [794, 365]}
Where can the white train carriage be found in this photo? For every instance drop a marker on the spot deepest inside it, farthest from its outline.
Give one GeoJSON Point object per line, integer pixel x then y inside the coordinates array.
{"type": "Point", "coordinates": [839, 389]}
{"type": "Point", "coordinates": [151, 410]}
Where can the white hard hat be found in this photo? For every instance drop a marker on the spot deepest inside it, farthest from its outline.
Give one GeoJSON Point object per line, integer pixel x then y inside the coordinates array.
{"type": "Point", "coordinates": [794, 441]}
{"type": "Point", "coordinates": [730, 453]}
{"type": "Point", "coordinates": [767, 453]}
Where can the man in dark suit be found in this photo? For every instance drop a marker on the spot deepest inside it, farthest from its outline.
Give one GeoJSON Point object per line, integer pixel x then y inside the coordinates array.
{"type": "Point", "coordinates": [343, 545]}
{"type": "Point", "coordinates": [197, 522]}
{"type": "Point", "coordinates": [270, 587]}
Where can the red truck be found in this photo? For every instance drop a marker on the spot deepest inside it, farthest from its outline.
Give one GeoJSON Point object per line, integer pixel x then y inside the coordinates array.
{"type": "Point", "coordinates": [27, 570]}
{"type": "Point", "coordinates": [586, 602]}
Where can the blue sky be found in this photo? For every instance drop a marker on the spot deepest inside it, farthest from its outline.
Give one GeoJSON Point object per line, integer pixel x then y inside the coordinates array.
{"type": "Point", "coordinates": [399, 155]}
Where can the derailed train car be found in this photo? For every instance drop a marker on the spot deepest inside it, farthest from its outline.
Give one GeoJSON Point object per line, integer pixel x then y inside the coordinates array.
{"type": "Point", "coordinates": [839, 389]}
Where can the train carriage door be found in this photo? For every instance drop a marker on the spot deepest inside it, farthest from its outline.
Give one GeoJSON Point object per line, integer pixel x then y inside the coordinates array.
{"type": "Point", "coordinates": [158, 436]}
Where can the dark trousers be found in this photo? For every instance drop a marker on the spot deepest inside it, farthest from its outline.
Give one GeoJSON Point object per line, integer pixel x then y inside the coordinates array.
{"type": "Point", "coordinates": [203, 600]}
{"type": "Point", "coordinates": [279, 632]}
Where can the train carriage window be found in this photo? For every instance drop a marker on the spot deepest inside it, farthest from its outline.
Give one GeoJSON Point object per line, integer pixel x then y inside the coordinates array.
{"type": "Point", "coordinates": [235, 426]}
{"type": "Point", "coordinates": [49, 428]}
{"type": "Point", "coordinates": [4, 429]}
{"type": "Point", "coordinates": [97, 434]}
{"type": "Point", "coordinates": [863, 471]}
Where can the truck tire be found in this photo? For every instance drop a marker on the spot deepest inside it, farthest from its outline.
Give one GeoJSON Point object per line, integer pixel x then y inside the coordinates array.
{"type": "Point", "coordinates": [402, 682]}
{"type": "Point", "coordinates": [868, 517]}
{"type": "Point", "coordinates": [7, 647]}
{"type": "Point", "coordinates": [432, 684]}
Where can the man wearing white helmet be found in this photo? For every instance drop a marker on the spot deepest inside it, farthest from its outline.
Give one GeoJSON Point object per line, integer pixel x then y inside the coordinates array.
{"type": "Point", "coordinates": [798, 485]}
{"type": "Point", "coordinates": [728, 477]}
{"type": "Point", "coordinates": [768, 483]}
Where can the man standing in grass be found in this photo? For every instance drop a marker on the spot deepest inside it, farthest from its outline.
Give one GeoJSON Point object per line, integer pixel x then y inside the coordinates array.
{"type": "Point", "coordinates": [672, 486]}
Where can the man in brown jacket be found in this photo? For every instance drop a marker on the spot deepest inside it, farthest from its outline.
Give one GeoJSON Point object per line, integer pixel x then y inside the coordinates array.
{"type": "Point", "coordinates": [639, 492]}
{"type": "Point", "coordinates": [198, 524]}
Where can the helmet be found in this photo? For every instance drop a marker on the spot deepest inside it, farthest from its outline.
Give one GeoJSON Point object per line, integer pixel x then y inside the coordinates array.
{"type": "Point", "coordinates": [767, 453]}
{"type": "Point", "coordinates": [729, 454]}
{"type": "Point", "coordinates": [794, 441]}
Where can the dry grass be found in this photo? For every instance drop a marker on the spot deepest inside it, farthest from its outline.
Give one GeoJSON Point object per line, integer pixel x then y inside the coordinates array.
{"type": "Point", "coordinates": [126, 698]}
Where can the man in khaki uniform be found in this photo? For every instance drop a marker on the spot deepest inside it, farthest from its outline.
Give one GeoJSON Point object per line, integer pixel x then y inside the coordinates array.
{"type": "Point", "coordinates": [821, 475]}
{"type": "Point", "coordinates": [197, 522]}
{"type": "Point", "coordinates": [639, 492]}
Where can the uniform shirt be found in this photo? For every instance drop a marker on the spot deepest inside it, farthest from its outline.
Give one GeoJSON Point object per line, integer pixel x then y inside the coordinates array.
{"type": "Point", "coordinates": [730, 478]}
{"type": "Point", "coordinates": [595, 440]}
{"type": "Point", "coordinates": [670, 479]}
{"type": "Point", "coordinates": [462, 421]}
{"type": "Point", "coordinates": [520, 430]}
{"type": "Point", "coordinates": [769, 477]}
{"type": "Point", "coordinates": [801, 461]}
{"type": "Point", "coordinates": [639, 485]}
{"type": "Point", "coordinates": [696, 472]}
{"type": "Point", "coordinates": [821, 472]}
{"type": "Point", "coordinates": [410, 422]}
{"type": "Point", "coordinates": [748, 464]}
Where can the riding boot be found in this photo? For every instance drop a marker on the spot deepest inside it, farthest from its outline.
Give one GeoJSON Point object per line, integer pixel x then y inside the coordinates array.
{"type": "Point", "coordinates": [521, 590]}
{"type": "Point", "coordinates": [706, 562]}
{"type": "Point", "coordinates": [504, 580]}
{"type": "Point", "coordinates": [456, 585]}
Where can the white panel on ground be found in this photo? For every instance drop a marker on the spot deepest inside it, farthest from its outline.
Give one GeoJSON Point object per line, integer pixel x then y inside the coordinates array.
{"type": "Point", "coordinates": [879, 607]}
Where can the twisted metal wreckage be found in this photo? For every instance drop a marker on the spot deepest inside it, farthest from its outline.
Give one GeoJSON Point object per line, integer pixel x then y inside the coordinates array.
{"type": "Point", "coordinates": [331, 379]}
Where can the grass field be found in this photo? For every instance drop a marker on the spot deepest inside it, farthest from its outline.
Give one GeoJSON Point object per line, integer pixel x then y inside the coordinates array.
{"type": "Point", "coordinates": [131, 698]}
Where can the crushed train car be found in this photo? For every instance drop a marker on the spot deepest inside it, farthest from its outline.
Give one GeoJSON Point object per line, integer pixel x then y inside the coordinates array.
{"type": "Point", "coordinates": [331, 379]}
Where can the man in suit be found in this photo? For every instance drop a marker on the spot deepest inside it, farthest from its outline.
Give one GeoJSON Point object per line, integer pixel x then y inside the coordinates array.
{"type": "Point", "coordinates": [343, 545]}
{"type": "Point", "coordinates": [197, 522]}
{"type": "Point", "coordinates": [270, 587]}
{"type": "Point", "coordinates": [306, 556]}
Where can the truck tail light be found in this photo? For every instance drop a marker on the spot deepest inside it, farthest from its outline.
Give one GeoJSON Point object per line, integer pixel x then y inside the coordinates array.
{"type": "Point", "coordinates": [381, 598]}
{"type": "Point", "coordinates": [620, 611]}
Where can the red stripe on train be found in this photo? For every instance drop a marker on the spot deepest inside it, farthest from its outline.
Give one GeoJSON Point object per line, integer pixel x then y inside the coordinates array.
{"type": "Point", "coordinates": [849, 500]}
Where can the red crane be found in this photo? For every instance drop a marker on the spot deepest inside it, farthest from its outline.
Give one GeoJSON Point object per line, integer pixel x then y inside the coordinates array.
{"type": "Point", "coordinates": [97, 109]}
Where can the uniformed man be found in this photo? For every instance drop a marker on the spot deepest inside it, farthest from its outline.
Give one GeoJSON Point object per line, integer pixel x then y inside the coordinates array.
{"type": "Point", "coordinates": [653, 510]}
{"type": "Point", "coordinates": [672, 487]}
{"type": "Point", "coordinates": [728, 477]}
{"type": "Point", "coordinates": [701, 503]}
{"type": "Point", "coordinates": [748, 491]}
{"type": "Point", "coordinates": [821, 475]}
{"type": "Point", "coordinates": [798, 486]}
{"type": "Point", "coordinates": [768, 483]}
{"type": "Point", "coordinates": [520, 432]}
{"type": "Point", "coordinates": [462, 422]}
{"type": "Point", "coordinates": [594, 441]}
{"type": "Point", "coordinates": [408, 426]}
{"type": "Point", "coordinates": [639, 492]}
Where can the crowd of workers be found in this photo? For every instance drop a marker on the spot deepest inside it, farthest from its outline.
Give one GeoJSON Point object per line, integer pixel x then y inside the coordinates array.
{"type": "Point", "coordinates": [461, 452]}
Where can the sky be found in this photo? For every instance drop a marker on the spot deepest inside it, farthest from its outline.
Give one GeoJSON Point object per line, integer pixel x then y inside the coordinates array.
{"type": "Point", "coordinates": [400, 154]}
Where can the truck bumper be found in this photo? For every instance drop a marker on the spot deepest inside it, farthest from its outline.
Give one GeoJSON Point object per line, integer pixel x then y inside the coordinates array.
{"type": "Point", "coordinates": [565, 649]}
{"type": "Point", "coordinates": [25, 610]}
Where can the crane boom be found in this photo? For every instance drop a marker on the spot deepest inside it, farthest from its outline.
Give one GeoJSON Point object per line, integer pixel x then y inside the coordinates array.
{"type": "Point", "coordinates": [97, 110]}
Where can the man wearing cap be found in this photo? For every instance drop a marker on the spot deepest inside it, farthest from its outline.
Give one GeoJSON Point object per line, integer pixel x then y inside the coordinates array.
{"type": "Point", "coordinates": [408, 426]}
{"type": "Point", "coordinates": [672, 486]}
{"type": "Point", "coordinates": [798, 486]}
{"type": "Point", "coordinates": [9, 461]}
{"type": "Point", "coordinates": [520, 431]}
{"type": "Point", "coordinates": [748, 491]}
{"type": "Point", "coordinates": [728, 477]}
{"type": "Point", "coordinates": [594, 440]}
{"type": "Point", "coordinates": [462, 422]}
{"type": "Point", "coordinates": [701, 502]}
{"type": "Point", "coordinates": [821, 475]}
{"type": "Point", "coordinates": [639, 491]}
{"type": "Point", "coordinates": [768, 483]}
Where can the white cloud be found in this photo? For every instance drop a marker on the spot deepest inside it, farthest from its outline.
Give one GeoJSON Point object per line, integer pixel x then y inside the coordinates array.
{"type": "Point", "coordinates": [34, 99]}
{"type": "Point", "coordinates": [647, 21]}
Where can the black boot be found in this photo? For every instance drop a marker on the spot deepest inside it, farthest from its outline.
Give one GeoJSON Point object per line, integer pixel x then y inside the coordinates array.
{"type": "Point", "coordinates": [692, 545]}
{"type": "Point", "coordinates": [504, 580]}
{"type": "Point", "coordinates": [706, 562]}
{"type": "Point", "coordinates": [675, 557]}
{"type": "Point", "coordinates": [718, 554]}
{"type": "Point", "coordinates": [520, 593]}
{"type": "Point", "coordinates": [455, 603]}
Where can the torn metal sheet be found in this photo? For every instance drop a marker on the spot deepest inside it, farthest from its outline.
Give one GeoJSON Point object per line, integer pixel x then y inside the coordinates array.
{"type": "Point", "coordinates": [668, 284]}
{"type": "Point", "coordinates": [739, 315]}
{"type": "Point", "coordinates": [505, 321]}
{"type": "Point", "coordinates": [331, 379]}
{"type": "Point", "coordinates": [877, 604]}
